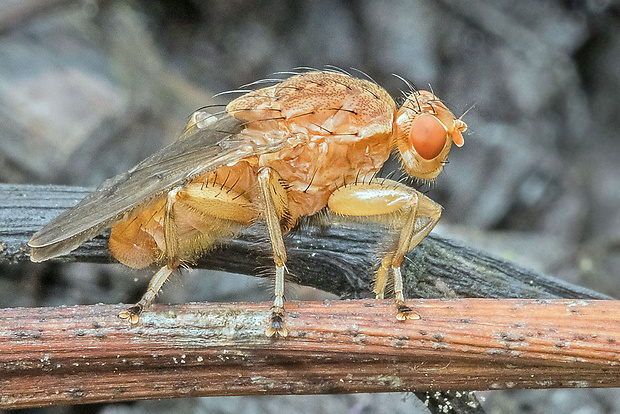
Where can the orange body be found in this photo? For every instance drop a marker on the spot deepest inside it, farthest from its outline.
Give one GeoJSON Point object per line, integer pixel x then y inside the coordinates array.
{"type": "Point", "coordinates": [342, 130]}
{"type": "Point", "coordinates": [279, 153]}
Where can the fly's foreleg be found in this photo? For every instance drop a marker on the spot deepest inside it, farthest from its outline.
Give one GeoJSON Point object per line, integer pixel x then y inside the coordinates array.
{"type": "Point", "coordinates": [396, 206]}
{"type": "Point", "coordinates": [276, 212]}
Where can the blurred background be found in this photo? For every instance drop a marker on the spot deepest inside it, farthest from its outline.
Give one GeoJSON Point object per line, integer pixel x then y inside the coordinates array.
{"type": "Point", "coordinates": [89, 88]}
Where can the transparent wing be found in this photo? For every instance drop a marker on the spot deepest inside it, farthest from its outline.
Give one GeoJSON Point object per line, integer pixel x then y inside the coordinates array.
{"type": "Point", "coordinates": [200, 149]}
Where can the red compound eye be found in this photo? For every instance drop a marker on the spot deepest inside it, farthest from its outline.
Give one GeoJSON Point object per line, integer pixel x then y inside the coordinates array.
{"type": "Point", "coordinates": [427, 136]}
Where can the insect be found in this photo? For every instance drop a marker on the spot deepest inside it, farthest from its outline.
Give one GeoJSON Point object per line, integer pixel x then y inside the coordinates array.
{"type": "Point", "coordinates": [312, 141]}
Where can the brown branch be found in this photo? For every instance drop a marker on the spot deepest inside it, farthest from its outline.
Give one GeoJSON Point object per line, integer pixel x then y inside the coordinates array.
{"type": "Point", "coordinates": [338, 259]}
{"type": "Point", "coordinates": [85, 354]}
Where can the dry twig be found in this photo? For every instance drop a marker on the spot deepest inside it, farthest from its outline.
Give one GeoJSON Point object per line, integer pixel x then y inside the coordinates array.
{"type": "Point", "coordinates": [464, 344]}
{"type": "Point", "coordinates": [86, 354]}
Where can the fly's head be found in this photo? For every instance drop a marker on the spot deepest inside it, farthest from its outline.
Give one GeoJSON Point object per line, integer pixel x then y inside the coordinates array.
{"type": "Point", "coordinates": [425, 131]}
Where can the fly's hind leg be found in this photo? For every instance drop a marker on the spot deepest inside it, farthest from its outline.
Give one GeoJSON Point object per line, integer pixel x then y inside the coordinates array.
{"type": "Point", "coordinates": [277, 216]}
{"type": "Point", "coordinates": [397, 206]}
{"type": "Point", "coordinates": [195, 216]}
{"type": "Point", "coordinates": [171, 242]}
{"type": "Point", "coordinates": [132, 314]}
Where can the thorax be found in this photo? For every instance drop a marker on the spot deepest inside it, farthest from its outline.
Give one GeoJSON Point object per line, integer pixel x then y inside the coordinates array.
{"type": "Point", "coordinates": [315, 169]}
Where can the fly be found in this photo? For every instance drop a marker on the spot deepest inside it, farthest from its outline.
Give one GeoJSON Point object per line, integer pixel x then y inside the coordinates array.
{"type": "Point", "coordinates": [315, 140]}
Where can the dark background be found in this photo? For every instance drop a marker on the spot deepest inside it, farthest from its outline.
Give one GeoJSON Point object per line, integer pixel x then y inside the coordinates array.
{"type": "Point", "coordinates": [89, 88]}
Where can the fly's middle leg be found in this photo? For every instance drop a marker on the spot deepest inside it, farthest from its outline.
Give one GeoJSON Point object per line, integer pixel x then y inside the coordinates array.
{"type": "Point", "coordinates": [275, 201]}
{"type": "Point", "coordinates": [396, 206]}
